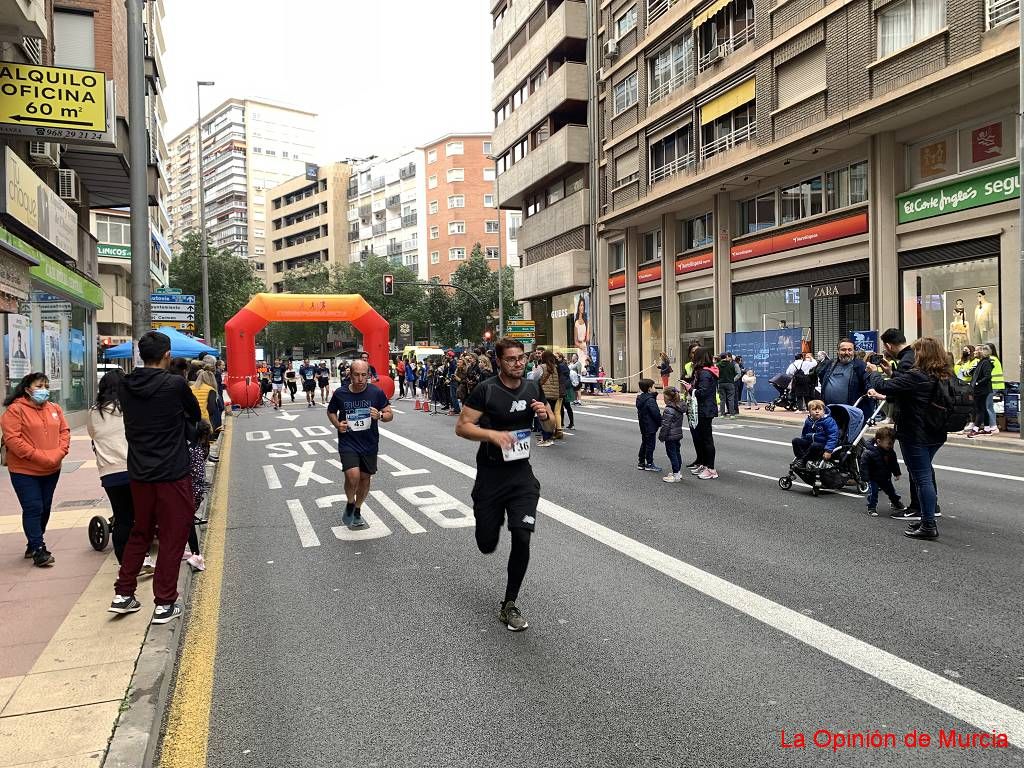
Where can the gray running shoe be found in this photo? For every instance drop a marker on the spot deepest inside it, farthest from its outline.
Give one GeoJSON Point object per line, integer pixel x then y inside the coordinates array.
{"type": "Point", "coordinates": [357, 521]}
{"type": "Point", "coordinates": [511, 617]}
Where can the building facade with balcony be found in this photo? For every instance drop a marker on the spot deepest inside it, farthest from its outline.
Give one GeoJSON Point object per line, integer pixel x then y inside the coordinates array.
{"type": "Point", "coordinates": [385, 213]}
{"type": "Point", "coordinates": [542, 145]}
{"type": "Point", "coordinates": [249, 147]}
{"type": "Point", "coordinates": [837, 167]}
{"type": "Point", "coordinates": [307, 222]}
{"type": "Point", "coordinates": [461, 206]}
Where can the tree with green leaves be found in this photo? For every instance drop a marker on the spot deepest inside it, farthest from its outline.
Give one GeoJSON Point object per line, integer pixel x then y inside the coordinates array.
{"type": "Point", "coordinates": [231, 279]}
{"type": "Point", "coordinates": [477, 277]}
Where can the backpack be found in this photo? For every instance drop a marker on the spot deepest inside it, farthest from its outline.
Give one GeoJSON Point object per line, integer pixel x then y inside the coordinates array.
{"type": "Point", "coordinates": [951, 406]}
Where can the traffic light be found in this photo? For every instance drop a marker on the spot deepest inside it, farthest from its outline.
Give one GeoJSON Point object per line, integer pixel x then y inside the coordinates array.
{"type": "Point", "coordinates": [389, 285]}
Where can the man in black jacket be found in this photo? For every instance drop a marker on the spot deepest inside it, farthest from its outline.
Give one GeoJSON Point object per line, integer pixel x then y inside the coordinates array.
{"type": "Point", "coordinates": [158, 408]}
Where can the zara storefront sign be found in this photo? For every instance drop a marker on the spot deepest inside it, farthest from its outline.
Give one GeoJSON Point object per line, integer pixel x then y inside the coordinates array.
{"type": "Point", "coordinates": [827, 290]}
{"type": "Point", "coordinates": [987, 188]}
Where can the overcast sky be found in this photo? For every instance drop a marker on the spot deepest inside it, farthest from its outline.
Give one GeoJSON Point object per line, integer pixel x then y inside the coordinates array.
{"type": "Point", "coordinates": [383, 76]}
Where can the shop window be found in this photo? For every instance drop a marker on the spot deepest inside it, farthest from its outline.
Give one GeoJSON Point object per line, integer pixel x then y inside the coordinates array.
{"type": "Point", "coordinates": [697, 318]}
{"type": "Point", "coordinates": [696, 232]}
{"type": "Point", "coordinates": [764, 311]}
{"type": "Point", "coordinates": [958, 303]}
{"type": "Point", "coordinates": [651, 340]}
{"type": "Point", "coordinates": [904, 23]}
{"type": "Point", "coordinates": [616, 256]}
{"type": "Point", "coordinates": [800, 200]}
{"type": "Point", "coordinates": [652, 246]}
{"type": "Point", "coordinates": [757, 214]}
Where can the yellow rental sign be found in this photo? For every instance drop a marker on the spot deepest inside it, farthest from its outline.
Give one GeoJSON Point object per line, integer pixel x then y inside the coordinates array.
{"type": "Point", "coordinates": [52, 102]}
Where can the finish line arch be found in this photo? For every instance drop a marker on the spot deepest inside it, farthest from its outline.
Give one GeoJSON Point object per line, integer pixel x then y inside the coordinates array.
{"type": "Point", "coordinates": [240, 334]}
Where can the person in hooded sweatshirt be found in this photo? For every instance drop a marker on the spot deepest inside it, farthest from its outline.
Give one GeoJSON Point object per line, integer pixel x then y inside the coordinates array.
{"type": "Point", "coordinates": [705, 389]}
{"type": "Point", "coordinates": [649, 415]}
{"type": "Point", "coordinates": [158, 407]}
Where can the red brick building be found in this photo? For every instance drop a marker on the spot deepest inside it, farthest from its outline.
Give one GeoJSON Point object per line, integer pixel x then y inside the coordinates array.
{"type": "Point", "coordinates": [461, 205]}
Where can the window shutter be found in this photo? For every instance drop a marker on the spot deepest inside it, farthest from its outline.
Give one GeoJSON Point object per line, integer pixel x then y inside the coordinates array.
{"type": "Point", "coordinates": [73, 40]}
{"type": "Point", "coordinates": [801, 77]}
{"type": "Point", "coordinates": [627, 165]}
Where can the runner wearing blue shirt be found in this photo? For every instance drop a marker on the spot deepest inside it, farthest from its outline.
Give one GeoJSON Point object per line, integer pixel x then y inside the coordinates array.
{"type": "Point", "coordinates": [323, 380]}
{"type": "Point", "coordinates": [354, 411]}
{"type": "Point", "coordinates": [307, 373]}
{"type": "Point", "coordinates": [277, 383]}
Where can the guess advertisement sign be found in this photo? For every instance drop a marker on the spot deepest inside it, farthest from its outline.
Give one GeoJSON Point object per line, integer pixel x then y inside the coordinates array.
{"type": "Point", "coordinates": [787, 241]}
{"type": "Point", "coordinates": [694, 263]}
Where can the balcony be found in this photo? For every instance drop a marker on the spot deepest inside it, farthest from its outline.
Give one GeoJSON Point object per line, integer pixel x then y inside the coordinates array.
{"type": "Point", "coordinates": [568, 147]}
{"type": "Point", "coordinates": [567, 214]}
{"type": "Point", "coordinates": [394, 201]}
{"type": "Point", "coordinates": [409, 245]}
{"type": "Point", "coordinates": [364, 211]}
{"type": "Point", "coordinates": [569, 21]}
{"type": "Point", "coordinates": [568, 84]}
{"type": "Point", "coordinates": [353, 214]}
{"type": "Point", "coordinates": [658, 8]}
{"type": "Point", "coordinates": [409, 220]}
{"type": "Point", "coordinates": [23, 18]}
{"type": "Point", "coordinates": [516, 14]}
{"type": "Point", "coordinates": [394, 249]}
{"type": "Point", "coordinates": [729, 141]}
{"type": "Point", "coordinates": [377, 206]}
{"type": "Point", "coordinates": [560, 273]}
{"type": "Point", "coordinates": [1000, 11]}
{"type": "Point", "coordinates": [725, 48]}
{"type": "Point", "coordinates": [378, 183]}
{"type": "Point", "coordinates": [678, 80]}
{"type": "Point", "coordinates": [353, 190]}
{"type": "Point", "coordinates": [379, 229]}
{"type": "Point", "coordinates": [353, 235]}
{"type": "Point", "coordinates": [408, 172]}
{"type": "Point", "coordinates": [394, 224]}
{"type": "Point", "coordinates": [678, 165]}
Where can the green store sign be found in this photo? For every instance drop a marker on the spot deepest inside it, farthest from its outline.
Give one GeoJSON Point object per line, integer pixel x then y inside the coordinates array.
{"type": "Point", "coordinates": [114, 251]}
{"type": "Point", "coordinates": [975, 192]}
{"type": "Point", "coordinates": [64, 281]}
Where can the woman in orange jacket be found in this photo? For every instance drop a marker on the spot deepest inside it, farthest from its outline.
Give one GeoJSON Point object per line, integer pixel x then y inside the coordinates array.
{"type": "Point", "coordinates": [37, 439]}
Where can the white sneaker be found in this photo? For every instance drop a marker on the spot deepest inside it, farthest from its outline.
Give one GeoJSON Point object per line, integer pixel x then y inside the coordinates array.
{"type": "Point", "coordinates": [968, 429]}
{"type": "Point", "coordinates": [708, 474]}
{"type": "Point", "coordinates": [197, 563]}
{"type": "Point", "coordinates": [148, 567]}
{"type": "Point", "coordinates": [991, 430]}
{"type": "Point", "coordinates": [672, 478]}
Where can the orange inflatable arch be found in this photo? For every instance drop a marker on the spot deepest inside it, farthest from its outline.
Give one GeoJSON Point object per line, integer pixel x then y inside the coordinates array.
{"type": "Point", "coordinates": [240, 334]}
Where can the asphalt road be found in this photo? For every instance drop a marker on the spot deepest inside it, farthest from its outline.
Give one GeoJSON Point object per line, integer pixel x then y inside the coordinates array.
{"type": "Point", "coordinates": [683, 624]}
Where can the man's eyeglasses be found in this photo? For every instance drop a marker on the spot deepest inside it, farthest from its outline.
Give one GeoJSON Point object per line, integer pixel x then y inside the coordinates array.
{"type": "Point", "coordinates": [513, 360]}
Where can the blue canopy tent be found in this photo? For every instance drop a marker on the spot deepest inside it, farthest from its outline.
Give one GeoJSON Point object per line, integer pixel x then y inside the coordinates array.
{"type": "Point", "coordinates": [181, 346]}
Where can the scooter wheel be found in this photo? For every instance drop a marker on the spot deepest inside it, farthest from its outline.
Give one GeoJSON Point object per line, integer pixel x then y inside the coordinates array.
{"type": "Point", "coordinates": [99, 533]}
{"type": "Point", "coordinates": [769, 407]}
{"type": "Point", "coordinates": [785, 483]}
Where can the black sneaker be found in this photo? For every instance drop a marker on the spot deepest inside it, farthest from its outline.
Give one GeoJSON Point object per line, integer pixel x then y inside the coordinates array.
{"type": "Point", "coordinates": [691, 465]}
{"type": "Point", "coordinates": [907, 513]}
{"type": "Point", "coordinates": [872, 511]}
{"type": "Point", "coordinates": [641, 467]}
{"type": "Point", "coordinates": [511, 617]}
{"type": "Point", "coordinates": [166, 613]}
{"type": "Point", "coordinates": [897, 506]}
{"type": "Point", "coordinates": [29, 552]}
{"type": "Point", "coordinates": [925, 534]}
{"type": "Point", "coordinates": [122, 604]}
{"type": "Point", "coordinates": [41, 558]}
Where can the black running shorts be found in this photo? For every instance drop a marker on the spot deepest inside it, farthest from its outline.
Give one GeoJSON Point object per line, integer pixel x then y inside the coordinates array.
{"type": "Point", "coordinates": [323, 381]}
{"type": "Point", "coordinates": [366, 462]}
{"type": "Point", "coordinates": [502, 492]}
{"type": "Point", "coordinates": [308, 385]}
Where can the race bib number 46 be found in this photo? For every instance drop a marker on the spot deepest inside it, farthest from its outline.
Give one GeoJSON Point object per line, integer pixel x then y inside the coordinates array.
{"type": "Point", "coordinates": [520, 448]}
{"type": "Point", "coordinates": [359, 419]}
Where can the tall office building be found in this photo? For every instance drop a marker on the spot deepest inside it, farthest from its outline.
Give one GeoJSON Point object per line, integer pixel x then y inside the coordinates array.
{"type": "Point", "coordinates": [249, 147]}
{"type": "Point", "coordinates": [542, 145]}
{"type": "Point", "coordinates": [385, 210]}
{"type": "Point", "coordinates": [837, 167]}
{"type": "Point", "coordinates": [307, 224]}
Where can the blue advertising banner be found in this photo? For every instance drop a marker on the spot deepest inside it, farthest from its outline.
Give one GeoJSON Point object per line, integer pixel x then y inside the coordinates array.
{"type": "Point", "coordinates": [767, 353]}
{"type": "Point", "coordinates": [865, 340]}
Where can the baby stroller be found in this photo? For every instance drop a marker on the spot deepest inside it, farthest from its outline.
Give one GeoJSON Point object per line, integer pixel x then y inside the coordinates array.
{"type": "Point", "coordinates": [843, 468]}
{"type": "Point", "coordinates": [785, 398]}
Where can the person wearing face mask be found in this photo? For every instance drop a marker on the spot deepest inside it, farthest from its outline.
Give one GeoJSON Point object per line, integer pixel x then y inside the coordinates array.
{"type": "Point", "coordinates": [37, 439]}
{"type": "Point", "coordinates": [845, 379]}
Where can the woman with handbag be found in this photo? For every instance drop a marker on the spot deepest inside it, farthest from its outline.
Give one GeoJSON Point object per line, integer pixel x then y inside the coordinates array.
{"type": "Point", "coordinates": [36, 438]}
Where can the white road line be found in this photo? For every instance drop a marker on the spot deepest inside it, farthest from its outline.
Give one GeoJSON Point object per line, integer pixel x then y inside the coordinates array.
{"type": "Point", "coordinates": [273, 481]}
{"type": "Point", "coordinates": [934, 690]}
{"type": "Point", "coordinates": [797, 482]}
{"type": "Point", "coordinates": [719, 433]}
{"type": "Point", "coordinates": [396, 410]}
{"type": "Point", "coordinates": [404, 519]}
{"type": "Point", "coordinates": [307, 536]}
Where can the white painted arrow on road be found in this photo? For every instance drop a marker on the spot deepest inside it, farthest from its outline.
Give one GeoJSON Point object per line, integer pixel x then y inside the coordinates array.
{"type": "Point", "coordinates": [287, 417]}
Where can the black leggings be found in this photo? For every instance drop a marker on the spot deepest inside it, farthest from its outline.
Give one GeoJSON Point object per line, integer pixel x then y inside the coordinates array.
{"type": "Point", "coordinates": [567, 408]}
{"type": "Point", "coordinates": [124, 516]}
{"type": "Point", "coordinates": [518, 559]}
{"type": "Point", "coordinates": [704, 442]}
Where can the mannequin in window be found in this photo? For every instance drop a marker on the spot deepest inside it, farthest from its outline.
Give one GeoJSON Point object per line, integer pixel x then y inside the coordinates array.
{"type": "Point", "coordinates": [984, 319]}
{"type": "Point", "coordinates": [959, 329]}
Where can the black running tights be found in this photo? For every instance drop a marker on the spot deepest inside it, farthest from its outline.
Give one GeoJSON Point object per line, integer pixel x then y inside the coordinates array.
{"type": "Point", "coordinates": [518, 559]}
{"type": "Point", "coordinates": [124, 516]}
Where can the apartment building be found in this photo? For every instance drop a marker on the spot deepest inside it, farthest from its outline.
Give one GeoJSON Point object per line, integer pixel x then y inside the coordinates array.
{"type": "Point", "coordinates": [461, 207]}
{"type": "Point", "coordinates": [833, 167]}
{"type": "Point", "coordinates": [386, 199]}
{"type": "Point", "coordinates": [542, 143]}
{"type": "Point", "coordinates": [308, 220]}
{"type": "Point", "coordinates": [249, 147]}
{"type": "Point", "coordinates": [50, 290]}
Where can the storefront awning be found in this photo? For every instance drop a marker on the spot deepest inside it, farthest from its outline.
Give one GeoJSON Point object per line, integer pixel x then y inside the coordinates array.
{"type": "Point", "coordinates": [727, 102]}
{"type": "Point", "coordinates": [708, 13]}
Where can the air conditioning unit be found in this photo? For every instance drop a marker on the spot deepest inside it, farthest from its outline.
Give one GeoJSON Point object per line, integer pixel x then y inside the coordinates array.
{"type": "Point", "coordinates": [714, 55]}
{"type": "Point", "coordinates": [67, 186]}
{"type": "Point", "coordinates": [611, 49]}
{"type": "Point", "coordinates": [44, 153]}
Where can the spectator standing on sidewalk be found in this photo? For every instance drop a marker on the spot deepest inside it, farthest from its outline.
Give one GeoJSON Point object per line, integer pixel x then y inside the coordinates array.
{"type": "Point", "coordinates": [844, 380]}
{"type": "Point", "coordinates": [106, 428]}
{"type": "Point", "coordinates": [204, 389]}
{"type": "Point", "coordinates": [665, 369]}
{"type": "Point", "coordinates": [158, 409]}
{"type": "Point", "coordinates": [705, 390]}
{"type": "Point", "coordinates": [649, 416]}
{"type": "Point", "coordinates": [671, 433]}
{"type": "Point", "coordinates": [553, 392]}
{"type": "Point", "coordinates": [749, 390]}
{"type": "Point", "coordinates": [727, 386]}
{"type": "Point", "coordinates": [36, 439]}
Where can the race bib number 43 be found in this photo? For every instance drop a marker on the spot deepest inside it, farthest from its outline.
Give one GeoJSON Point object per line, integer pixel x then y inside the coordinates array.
{"type": "Point", "coordinates": [520, 448]}
{"type": "Point", "coordinates": [359, 419]}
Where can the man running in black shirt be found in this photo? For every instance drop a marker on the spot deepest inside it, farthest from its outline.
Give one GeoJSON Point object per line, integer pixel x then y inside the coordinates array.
{"type": "Point", "coordinates": [499, 415]}
{"type": "Point", "coordinates": [277, 382]}
{"type": "Point", "coordinates": [307, 373]}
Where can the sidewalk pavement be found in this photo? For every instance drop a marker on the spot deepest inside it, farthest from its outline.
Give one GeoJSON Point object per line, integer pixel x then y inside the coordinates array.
{"type": "Point", "coordinates": [1010, 441]}
{"type": "Point", "coordinates": [65, 662]}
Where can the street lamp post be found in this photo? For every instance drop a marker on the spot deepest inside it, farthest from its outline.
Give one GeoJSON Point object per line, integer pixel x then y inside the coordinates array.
{"type": "Point", "coordinates": [204, 268]}
{"type": "Point", "coordinates": [501, 250]}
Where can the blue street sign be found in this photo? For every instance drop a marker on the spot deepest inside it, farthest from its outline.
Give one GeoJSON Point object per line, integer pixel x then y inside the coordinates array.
{"type": "Point", "coordinates": [172, 298]}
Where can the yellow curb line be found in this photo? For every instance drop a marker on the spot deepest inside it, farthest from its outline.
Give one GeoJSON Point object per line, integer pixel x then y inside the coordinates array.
{"type": "Point", "coordinates": [188, 722]}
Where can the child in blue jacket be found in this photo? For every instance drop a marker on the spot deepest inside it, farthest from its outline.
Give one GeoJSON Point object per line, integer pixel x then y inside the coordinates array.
{"type": "Point", "coordinates": [820, 435]}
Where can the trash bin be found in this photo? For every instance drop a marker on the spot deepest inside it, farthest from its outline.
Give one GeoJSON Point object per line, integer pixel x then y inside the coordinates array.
{"type": "Point", "coordinates": [1011, 407]}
